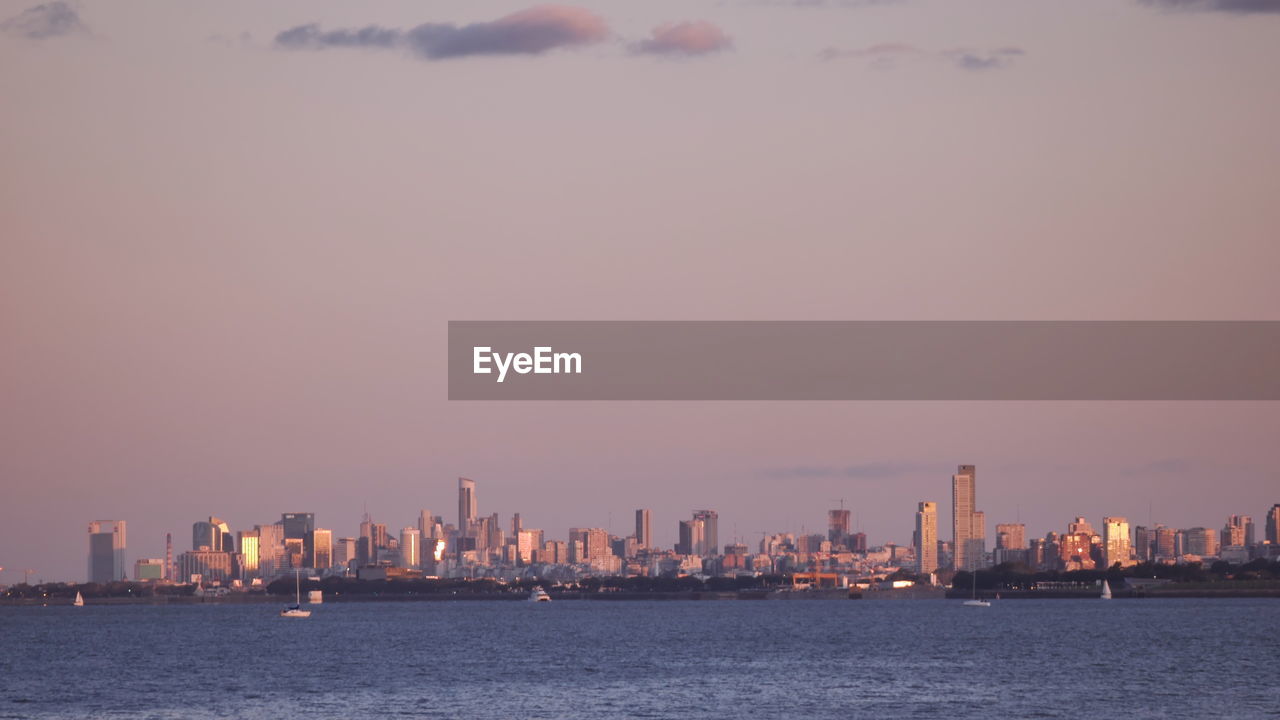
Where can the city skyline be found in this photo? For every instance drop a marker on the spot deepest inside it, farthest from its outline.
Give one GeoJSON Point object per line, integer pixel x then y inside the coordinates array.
{"type": "Point", "coordinates": [301, 543]}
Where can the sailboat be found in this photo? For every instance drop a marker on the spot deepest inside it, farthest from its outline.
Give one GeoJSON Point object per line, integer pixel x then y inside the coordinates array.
{"type": "Point", "coordinates": [79, 601]}
{"type": "Point", "coordinates": [975, 602]}
{"type": "Point", "coordinates": [295, 610]}
{"type": "Point", "coordinates": [1106, 590]}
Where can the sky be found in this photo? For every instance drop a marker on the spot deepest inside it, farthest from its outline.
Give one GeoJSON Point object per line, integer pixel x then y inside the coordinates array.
{"type": "Point", "coordinates": [232, 234]}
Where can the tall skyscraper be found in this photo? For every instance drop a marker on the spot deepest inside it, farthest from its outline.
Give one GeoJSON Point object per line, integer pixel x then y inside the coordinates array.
{"type": "Point", "coordinates": [710, 532]}
{"type": "Point", "coordinates": [692, 536]}
{"type": "Point", "coordinates": [410, 548]}
{"type": "Point", "coordinates": [468, 511]}
{"type": "Point", "coordinates": [926, 537]}
{"type": "Point", "coordinates": [1115, 542]}
{"type": "Point", "coordinates": [250, 553]}
{"type": "Point", "coordinates": [271, 560]}
{"type": "Point", "coordinates": [212, 535]}
{"type": "Point", "coordinates": [106, 551]}
{"type": "Point", "coordinates": [644, 528]}
{"type": "Point", "coordinates": [838, 526]}
{"type": "Point", "coordinates": [1273, 525]}
{"type": "Point", "coordinates": [299, 526]}
{"type": "Point", "coordinates": [968, 525]}
{"type": "Point", "coordinates": [322, 549]}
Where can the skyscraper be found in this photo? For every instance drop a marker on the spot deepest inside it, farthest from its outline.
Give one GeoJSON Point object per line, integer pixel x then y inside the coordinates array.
{"type": "Point", "coordinates": [838, 526]}
{"type": "Point", "coordinates": [1273, 525]}
{"type": "Point", "coordinates": [410, 548]}
{"type": "Point", "coordinates": [106, 550]}
{"type": "Point", "coordinates": [926, 537]}
{"type": "Point", "coordinates": [249, 553]}
{"type": "Point", "coordinates": [212, 535]}
{"type": "Point", "coordinates": [322, 549]}
{"type": "Point", "coordinates": [1238, 531]}
{"type": "Point", "coordinates": [299, 526]}
{"type": "Point", "coordinates": [467, 508]}
{"type": "Point", "coordinates": [1115, 542]}
{"type": "Point", "coordinates": [644, 528]}
{"type": "Point", "coordinates": [968, 526]}
{"type": "Point", "coordinates": [271, 560]}
{"type": "Point", "coordinates": [692, 537]}
{"type": "Point", "coordinates": [710, 532]}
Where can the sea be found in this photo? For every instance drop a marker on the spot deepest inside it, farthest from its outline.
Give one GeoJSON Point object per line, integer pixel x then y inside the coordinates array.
{"type": "Point", "coordinates": [1149, 658]}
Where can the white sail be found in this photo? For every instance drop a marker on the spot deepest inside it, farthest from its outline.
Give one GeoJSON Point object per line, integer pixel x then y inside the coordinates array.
{"type": "Point", "coordinates": [1106, 590]}
{"type": "Point", "coordinates": [79, 601]}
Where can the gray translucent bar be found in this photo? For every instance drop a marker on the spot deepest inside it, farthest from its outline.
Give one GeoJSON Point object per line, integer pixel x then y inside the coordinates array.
{"type": "Point", "coordinates": [858, 360]}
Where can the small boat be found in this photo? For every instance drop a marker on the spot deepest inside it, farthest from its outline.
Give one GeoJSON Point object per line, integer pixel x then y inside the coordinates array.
{"type": "Point", "coordinates": [539, 595]}
{"type": "Point", "coordinates": [295, 610]}
{"type": "Point", "coordinates": [975, 602]}
{"type": "Point", "coordinates": [79, 601]}
{"type": "Point", "coordinates": [1106, 591]}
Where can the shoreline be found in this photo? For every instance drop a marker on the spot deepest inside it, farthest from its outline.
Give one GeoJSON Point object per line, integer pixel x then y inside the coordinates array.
{"type": "Point", "coordinates": [919, 594]}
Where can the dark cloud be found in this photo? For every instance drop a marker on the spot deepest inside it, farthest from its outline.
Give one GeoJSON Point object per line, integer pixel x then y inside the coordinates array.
{"type": "Point", "coordinates": [528, 32]}
{"type": "Point", "coordinates": [697, 37]}
{"type": "Point", "coordinates": [45, 21]}
{"type": "Point", "coordinates": [889, 55]}
{"type": "Point", "coordinates": [1231, 6]}
{"type": "Point", "coordinates": [977, 60]}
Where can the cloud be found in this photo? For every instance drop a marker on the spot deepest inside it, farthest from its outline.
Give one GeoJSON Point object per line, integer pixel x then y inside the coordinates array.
{"type": "Point", "coordinates": [888, 55]}
{"type": "Point", "coordinates": [697, 37]}
{"type": "Point", "coordinates": [976, 60]}
{"type": "Point", "coordinates": [527, 32]}
{"type": "Point", "coordinates": [45, 21]}
{"type": "Point", "coordinates": [1230, 6]}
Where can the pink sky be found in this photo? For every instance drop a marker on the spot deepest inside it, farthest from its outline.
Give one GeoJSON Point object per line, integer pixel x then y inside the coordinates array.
{"type": "Point", "coordinates": [227, 265]}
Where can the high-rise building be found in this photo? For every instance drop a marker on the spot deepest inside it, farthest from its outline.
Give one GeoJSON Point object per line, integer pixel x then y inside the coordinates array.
{"type": "Point", "coordinates": [344, 552]}
{"type": "Point", "coordinates": [1201, 541]}
{"type": "Point", "coordinates": [322, 549]}
{"type": "Point", "coordinates": [1115, 542]}
{"type": "Point", "coordinates": [593, 544]}
{"type": "Point", "coordinates": [299, 526]}
{"type": "Point", "coordinates": [926, 537]}
{"type": "Point", "coordinates": [968, 525]}
{"type": "Point", "coordinates": [710, 532]}
{"type": "Point", "coordinates": [213, 535]}
{"type": "Point", "coordinates": [528, 542]}
{"type": "Point", "coordinates": [1144, 543]}
{"type": "Point", "coordinates": [1238, 531]}
{"type": "Point", "coordinates": [838, 526]}
{"type": "Point", "coordinates": [106, 551]}
{"type": "Point", "coordinates": [644, 528]}
{"type": "Point", "coordinates": [271, 558]}
{"type": "Point", "coordinates": [692, 536]}
{"type": "Point", "coordinates": [410, 548]}
{"type": "Point", "coordinates": [1011, 536]}
{"type": "Point", "coordinates": [426, 524]}
{"type": "Point", "coordinates": [1273, 525]}
{"type": "Point", "coordinates": [1166, 543]}
{"type": "Point", "coordinates": [858, 542]}
{"type": "Point", "coordinates": [250, 553]}
{"type": "Point", "coordinates": [468, 511]}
